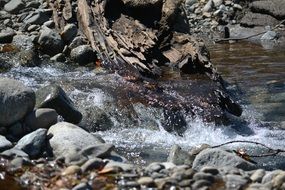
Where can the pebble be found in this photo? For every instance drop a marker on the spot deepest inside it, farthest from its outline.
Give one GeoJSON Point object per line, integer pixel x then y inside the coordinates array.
{"type": "Point", "coordinates": [70, 170]}
{"type": "Point", "coordinates": [210, 170]}
{"type": "Point", "coordinates": [145, 181]}
{"type": "Point", "coordinates": [95, 163]}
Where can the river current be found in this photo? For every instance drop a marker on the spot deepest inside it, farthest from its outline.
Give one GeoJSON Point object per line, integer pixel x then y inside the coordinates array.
{"type": "Point", "coordinates": [256, 76]}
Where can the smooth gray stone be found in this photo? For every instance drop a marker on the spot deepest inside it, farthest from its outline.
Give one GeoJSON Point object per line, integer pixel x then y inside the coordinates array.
{"type": "Point", "coordinates": [270, 175]}
{"type": "Point", "coordinates": [4, 144]}
{"type": "Point", "coordinates": [83, 55]}
{"type": "Point", "coordinates": [37, 18]}
{"type": "Point", "coordinates": [14, 152]}
{"type": "Point", "coordinates": [14, 6]}
{"type": "Point", "coordinates": [33, 143]}
{"type": "Point", "coordinates": [19, 162]}
{"type": "Point", "coordinates": [16, 101]}
{"type": "Point", "coordinates": [100, 150]}
{"type": "Point", "coordinates": [217, 157]}
{"type": "Point", "coordinates": [236, 182]}
{"type": "Point", "coordinates": [50, 41]}
{"type": "Point", "coordinates": [257, 175]}
{"type": "Point", "coordinates": [53, 96]}
{"type": "Point", "coordinates": [41, 118]}
{"type": "Point", "coordinates": [95, 163]}
{"type": "Point", "coordinates": [275, 8]}
{"type": "Point", "coordinates": [123, 166]}
{"type": "Point", "coordinates": [67, 139]}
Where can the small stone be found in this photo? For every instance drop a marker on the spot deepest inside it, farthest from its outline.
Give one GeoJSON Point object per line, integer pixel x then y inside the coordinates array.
{"type": "Point", "coordinates": [14, 152]}
{"type": "Point", "coordinates": [270, 175]}
{"type": "Point", "coordinates": [257, 175]}
{"type": "Point", "coordinates": [204, 176]}
{"type": "Point", "coordinates": [185, 183]}
{"type": "Point", "coordinates": [210, 170]}
{"type": "Point", "coordinates": [278, 180]}
{"type": "Point", "coordinates": [77, 41]}
{"type": "Point", "coordinates": [100, 150]}
{"type": "Point", "coordinates": [235, 182]}
{"type": "Point", "coordinates": [41, 118]}
{"type": "Point", "coordinates": [58, 57]}
{"type": "Point", "coordinates": [50, 24]}
{"type": "Point", "coordinates": [121, 165]}
{"type": "Point", "coordinates": [14, 6]}
{"type": "Point", "coordinates": [4, 144]}
{"type": "Point", "coordinates": [70, 170]}
{"type": "Point", "coordinates": [95, 163]}
{"type": "Point", "coordinates": [33, 28]}
{"type": "Point", "coordinates": [237, 6]}
{"type": "Point", "coordinates": [154, 167]}
{"type": "Point", "coordinates": [69, 32]}
{"type": "Point", "coordinates": [83, 55]}
{"type": "Point", "coordinates": [200, 183]}
{"type": "Point", "coordinates": [33, 143]}
{"type": "Point", "coordinates": [145, 181]}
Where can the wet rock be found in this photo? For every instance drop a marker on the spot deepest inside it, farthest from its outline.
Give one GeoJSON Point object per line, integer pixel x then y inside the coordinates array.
{"type": "Point", "coordinates": [95, 119]}
{"type": "Point", "coordinates": [100, 151]}
{"type": "Point", "coordinates": [41, 118]}
{"type": "Point", "coordinates": [217, 158]}
{"type": "Point", "coordinates": [82, 186]}
{"type": "Point", "coordinates": [6, 37]}
{"type": "Point", "coordinates": [95, 163]}
{"type": "Point", "coordinates": [58, 57]}
{"type": "Point", "coordinates": [189, 3]}
{"type": "Point", "coordinates": [269, 36]}
{"type": "Point", "coordinates": [16, 101]}
{"type": "Point", "coordinates": [14, 152]}
{"type": "Point", "coordinates": [179, 157]}
{"type": "Point", "coordinates": [68, 139]}
{"type": "Point", "coordinates": [83, 55]}
{"type": "Point", "coordinates": [33, 143]}
{"type": "Point", "coordinates": [257, 175]}
{"type": "Point", "coordinates": [70, 170]}
{"type": "Point", "coordinates": [25, 42]}
{"type": "Point", "coordinates": [256, 19]}
{"type": "Point", "coordinates": [4, 144]}
{"type": "Point", "coordinates": [275, 8]}
{"type": "Point", "coordinates": [50, 41]}
{"type": "Point", "coordinates": [14, 6]}
{"type": "Point", "coordinates": [37, 18]}
{"type": "Point", "coordinates": [236, 182]}
{"type": "Point", "coordinates": [69, 32]}
{"type": "Point", "coordinates": [29, 58]}
{"type": "Point", "coordinates": [53, 96]}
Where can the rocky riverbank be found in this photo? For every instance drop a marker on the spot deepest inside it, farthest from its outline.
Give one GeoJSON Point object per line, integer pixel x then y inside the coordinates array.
{"type": "Point", "coordinates": [46, 141]}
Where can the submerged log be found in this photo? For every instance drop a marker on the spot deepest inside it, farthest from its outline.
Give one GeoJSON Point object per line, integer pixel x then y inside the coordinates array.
{"type": "Point", "coordinates": [139, 39]}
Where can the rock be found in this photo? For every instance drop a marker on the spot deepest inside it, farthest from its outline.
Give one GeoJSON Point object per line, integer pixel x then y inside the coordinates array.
{"type": "Point", "coordinates": [14, 152]}
{"type": "Point", "coordinates": [14, 6]}
{"type": "Point", "coordinates": [95, 119]}
{"type": "Point", "coordinates": [82, 186]}
{"type": "Point", "coordinates": [236, 182]}
{"type": "Point", "coordinates": [58, 57]}
{"type": "Point", "coordinates": [6, 37]}
{"type": "Point", "coordinates": [95, 163]}
{"type": "Point", "coordinates": [216, 157]}
{"type": "Point", "coordinates": [4, 144]}
{"type": "Point", "coordinates": [25, 43]}
{"type": "Point", "coordinates": [41, 118]}
{"type": "Point", "coordinates": [29, 58]}
{"type": "Point", "coordinates": [257, 175]}
{"type": "Point", "coordinates": [19, 162]}
{"type": "Point", "coordinates": [270, 175]}
{"type": "Point", "coordinates": [123, 166]}
{"type": "Point", "coordinates": [154, 167]}
{"type": "Point", "coordinates": [50, 24]}
{"type": "Point", "coordinates": [37, 18]}
{"type": "Point", "coordinates": [83, 55]}
{"type": "Point", "coordinates": [145, 181]}
{"type": "Point", "coordinates": [256, 19]}
{"type": "Point", "coordinates": [33, 27]}
{"type": "Point", "coordinates": [269, 36]}
{"type": "Point", "coordinates": [16, 101]}
{"type": "Point", "coordinates": [33, 4]}
{"type": "Point", "coordinates": [179, 157]}
{"type": "Point", "coordinates": [237, 6]}
{"type": "Point", "coordinates": [209, 6]}
{"type": "Point", "coordinates": [50, 41]}
{"type": "Point", "coordinates": [210, 170]}
{"type": "Point", "coordinates": [100, 151]}
{"type": "Point", "coordinates": [16, 130]}
{"type": "Point", "coordinates": [278, 180]}
{"type": "Point", "coordinates": [69, 32]}
{"type": "Point", "coordinates": [189, 3]}
{"type": "Point", "coordinates": [204, 176]}
{"type": "Point", "coordinates": [275, 8]}
{"type": "Point", "coordinates": [70, 170]}
{"type": "Point", "coordinates": [33, 143]}
{"type": "Point", "coordinates": [68, 139]}
{"type": "Point", "coordinates": [53, 96]}
{"type": "Point", "coordinates": [77, 41]}
{"type": "Point", "coordinates": [200, 183]}
{"type": "Point", "coordinates": [217, 3]}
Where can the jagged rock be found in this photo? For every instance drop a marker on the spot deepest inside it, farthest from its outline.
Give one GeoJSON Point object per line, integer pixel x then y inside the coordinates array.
{"type": "Point", "coordinates": [14, 6]}
{"type": "Point", "coordinates": [53, 96]}
{"type": "Point", "coordinates": [41, 118]}
{"type": "Point", "coordinates": [16, 101]}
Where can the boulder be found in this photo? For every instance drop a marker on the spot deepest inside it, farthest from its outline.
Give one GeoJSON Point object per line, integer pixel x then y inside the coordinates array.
{"type": "Point", "coordinates": [4, 143]}
{"type": "Point", "coordinates": [41, 118]}
{"type": "Point", "coordinates": [53, 96]}
{"type": "Point", "coordinates": [256, 19]}
{"type": "Point", "coordinates": [217, 157]}
{"type": "Point", "coordinates": [69, 32]}
{"type": "Point", "coordinates": [33, 143]}
{"type": "Point", "coordinates": [16, 101]}
{"type": "Point", "coordinates": [67, 139]}
{"type": "Point", "coordinates": [14, 152]}
{"type": "Point", "coordinates": [275, 8]}
{"type": "Point", "coordinates": [37, 18]}
{"type": "Point", "coordinates": [50, 41]}
{"type": "Point", "coordinates": [14, 6]}
{"type": "Point", "coordinates": [83, 55]}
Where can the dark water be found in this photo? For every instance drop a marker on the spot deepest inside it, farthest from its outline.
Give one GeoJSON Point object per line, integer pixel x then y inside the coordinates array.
{"type": "Point", "coordinates": [256, 77]}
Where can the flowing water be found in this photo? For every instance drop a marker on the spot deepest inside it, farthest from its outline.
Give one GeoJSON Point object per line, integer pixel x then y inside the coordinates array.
{"type": "Point", "coordinates": [255, 75]}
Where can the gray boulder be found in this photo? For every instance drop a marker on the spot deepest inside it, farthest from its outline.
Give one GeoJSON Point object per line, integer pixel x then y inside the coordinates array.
{"type": "Point", "coordinates": [14, 152]}
{"type": "Point", "coordinates": [216, 157]}
{"type": "Point", "coordinates": [53, 96]}
{"type": "Point", "coordinates": [256, 19]}
{"type": "Point", "coordinates": [67, 139]}
{"type": "Point", "coordinates": [41, 118]}
{"type": "Point", "coordinates": [69, 32]}
{"type": "Point", "coordinates": [33, 143]}
{"type": "Point", "coordinates": [4, 143]}
{"type": "Point", "coordinates": [50, 41]}
{"type": "Point", "coordinates": [16, 101]}
{"type": "Point", "coordinates": [83, 55]}
{"type": "Point", "coordinates": [275, 8]}
{"type": "Point", "coordinates": [37, 18]}
{"type": "Point", "coordinates": [14, 6]}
